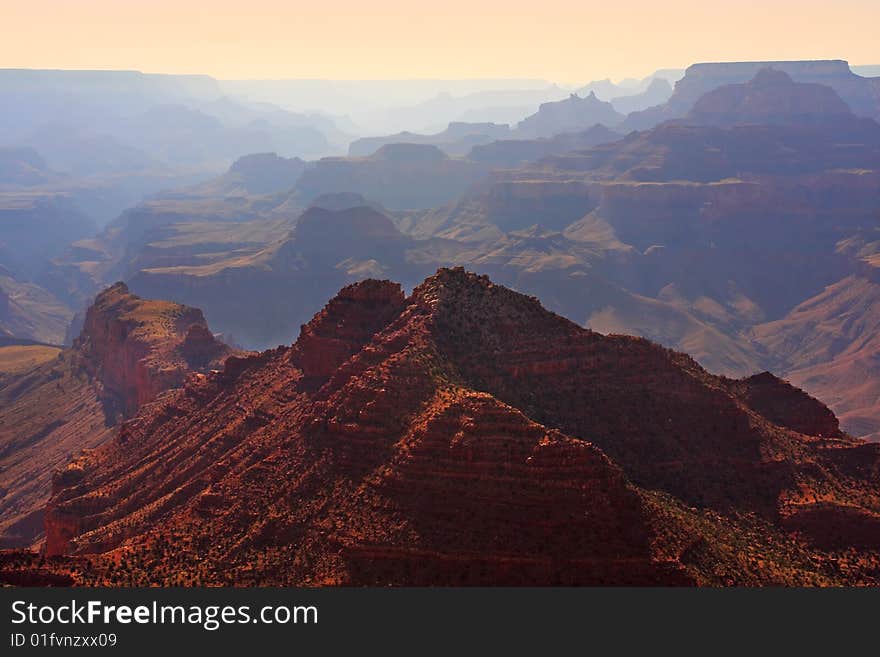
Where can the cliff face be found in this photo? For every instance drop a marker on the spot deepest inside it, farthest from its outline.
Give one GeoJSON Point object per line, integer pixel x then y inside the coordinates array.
{"type": "Point", "coordinates": [442, 439]}
{"type": "Point", "coordinates": [138, 348]}
{"type": "Point", "coordinates": [698, 245]}
{"type": "Point", "coordinates": [129, 351]}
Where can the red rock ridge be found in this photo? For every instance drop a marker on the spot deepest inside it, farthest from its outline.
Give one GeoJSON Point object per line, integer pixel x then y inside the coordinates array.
{"type": "Point", "coordinates": [451, 448]}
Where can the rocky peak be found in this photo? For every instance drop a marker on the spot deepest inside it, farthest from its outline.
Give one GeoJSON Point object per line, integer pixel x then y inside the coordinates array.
{"type": "Point", "coordinates": [344, 326]}
{"type": "Point", "coordinates": [452, 286]}
{"type": "Point", "coordinates": [474, 322]}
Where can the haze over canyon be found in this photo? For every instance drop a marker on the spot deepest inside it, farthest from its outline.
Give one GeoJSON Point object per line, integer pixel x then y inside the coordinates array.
{"type": "Point", "coordinates": [464, 332]}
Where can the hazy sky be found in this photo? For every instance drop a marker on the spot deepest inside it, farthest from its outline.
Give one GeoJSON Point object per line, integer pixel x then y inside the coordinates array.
{"type": "Point", "coordinates": [561, 40]}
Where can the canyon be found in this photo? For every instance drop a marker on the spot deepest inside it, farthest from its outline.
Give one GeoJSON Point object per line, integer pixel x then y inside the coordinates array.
{"type": "Point", "coordinates": [626, 344]}
{"type": "Point", "coordinates": [465, 435]}
{"type": "Point", "coordinates": [694, 233]}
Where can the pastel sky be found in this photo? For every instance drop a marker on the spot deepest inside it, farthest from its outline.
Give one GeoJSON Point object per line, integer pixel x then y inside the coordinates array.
{"type": "Point", "coordinates": [560, 40]}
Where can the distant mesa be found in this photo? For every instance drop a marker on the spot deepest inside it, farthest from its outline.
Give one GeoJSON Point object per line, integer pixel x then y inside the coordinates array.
{"type": "Point", "coordinates": [250, 175]}
{"type": "Point", "coordinates": [570, 115]}
{"type": "Point", "coordinates": [862, 95]}
{"type": "Point", "coordinates": [770, 97]}
{"type": "Point", "coordinates": [343, 201]}
{"type": "Point", "coordinates": [266, 173]}
{"type": "Point", "coordinates": [409, 153]}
